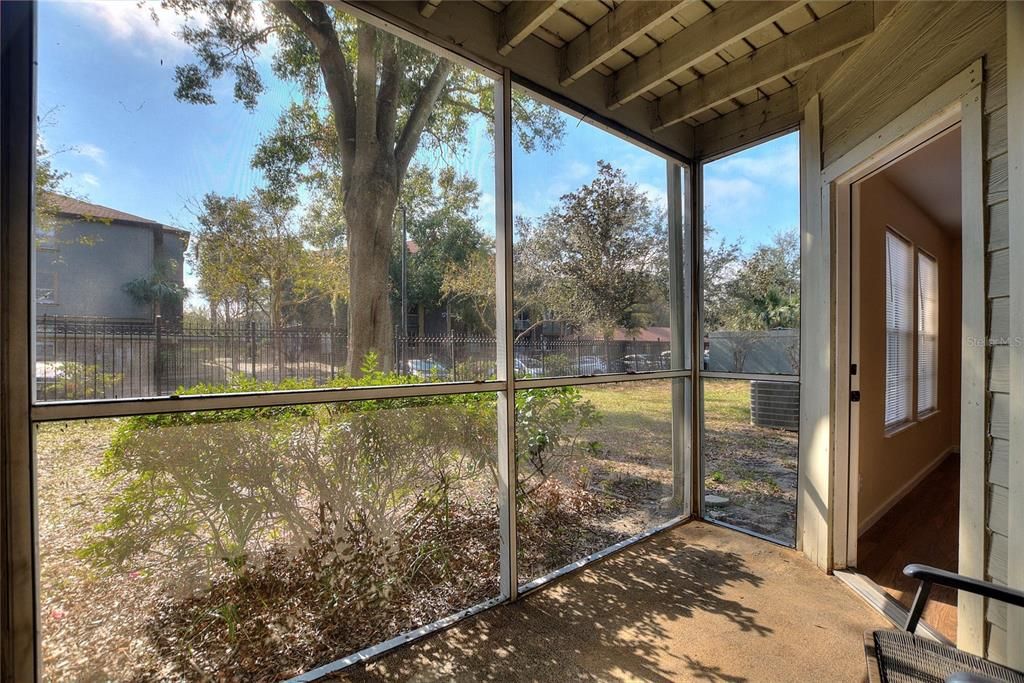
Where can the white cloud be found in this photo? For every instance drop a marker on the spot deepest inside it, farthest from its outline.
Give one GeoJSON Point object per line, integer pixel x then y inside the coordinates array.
{"type": "Point", "coordinates": [487, 208]}
{"type": "Point", "coordinates": [635, 163]}
{"type": "Point", "coordinates": [97, 154]}
{"type": "Point", "coordinates": [657, 195]}
{"type": "Point", "coordinates": [577, 170]}
{"type": "Point", "coordinates": [754, 193]}
{"type": "Point", "coordinates": [89, 179]}
{"type": "Point", "coordinates": [734, 193]}
{"type": "Point", "coordinates": [735, 201]}
{"type": "Point", "coordinates": [152, 29]}
{"type": "Point", "coordinates": [148, 28]}
{"type": "Point", "coordinates": [779, 166]}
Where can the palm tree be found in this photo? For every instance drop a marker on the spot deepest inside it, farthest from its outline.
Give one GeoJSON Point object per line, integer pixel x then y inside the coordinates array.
{"type": "Point", "coordinates": [158, 288]}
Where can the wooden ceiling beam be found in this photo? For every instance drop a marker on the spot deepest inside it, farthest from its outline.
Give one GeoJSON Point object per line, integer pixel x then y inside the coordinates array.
{"type": "Point", "coordinates": [694, 44]}
{"type": "Point", "coordinates": [428, 7]}
{"type": "Point", "coordinates": [613, 32]}
{"type": "Point", "coordinates": [519, 19]}
{"type": "Point", "coordinates": [832, 34]}
{"type": "Point", "coordinates": [747, 125]}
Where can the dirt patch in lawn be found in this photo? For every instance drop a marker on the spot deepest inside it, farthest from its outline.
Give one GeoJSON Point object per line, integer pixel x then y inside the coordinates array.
{"type": "Point", "coordinates": [754, 469]}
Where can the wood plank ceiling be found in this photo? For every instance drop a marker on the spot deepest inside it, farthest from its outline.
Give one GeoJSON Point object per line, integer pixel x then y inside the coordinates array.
{"type": "Point", "coordinates": [688, 62]}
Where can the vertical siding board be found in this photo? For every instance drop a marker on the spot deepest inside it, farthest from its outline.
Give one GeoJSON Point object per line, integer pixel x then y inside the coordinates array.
{"type": "Point", "coordinates": [999, 226]}
{"type": "Point", "coordinates": [999, 369]}
{"type": "Point", "coordinates": [1014, 122]}
{"type": "Point", "coordinates": [999, 465]}
{"type": "Point", "coordinates": [999, 319]}
{"type": "Point", "coordinates": [815, 360]}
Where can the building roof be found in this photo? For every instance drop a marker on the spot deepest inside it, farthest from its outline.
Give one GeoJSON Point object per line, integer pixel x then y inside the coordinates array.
{"type": "Point", "coordinates": [69, 206]}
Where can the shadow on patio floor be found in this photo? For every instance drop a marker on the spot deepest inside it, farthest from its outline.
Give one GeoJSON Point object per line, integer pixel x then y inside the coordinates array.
{"type": "Point", "coordinates": [696, 603]}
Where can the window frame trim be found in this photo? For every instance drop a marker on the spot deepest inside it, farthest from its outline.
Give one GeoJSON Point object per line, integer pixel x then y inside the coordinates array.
{"type": "Point", "coordinates": [898, 425]}
{"type": "Point", "coordinates": [915, 414]}
{"type": "Point", "coordinates": [919, 414]}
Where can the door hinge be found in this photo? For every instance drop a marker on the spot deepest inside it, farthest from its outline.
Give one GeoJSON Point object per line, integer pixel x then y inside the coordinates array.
{"type": "Point", "coordinates": [853, 369]}
{"type": "Point", "coordinates": [855, 396]}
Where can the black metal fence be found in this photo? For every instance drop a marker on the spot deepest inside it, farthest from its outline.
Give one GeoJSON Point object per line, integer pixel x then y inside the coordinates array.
{"type": "Point", "coordinates": [80, 358]}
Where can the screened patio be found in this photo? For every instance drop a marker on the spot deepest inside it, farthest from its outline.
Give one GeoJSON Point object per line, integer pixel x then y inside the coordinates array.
{"type": "Point", "coordinates": [477, 340]}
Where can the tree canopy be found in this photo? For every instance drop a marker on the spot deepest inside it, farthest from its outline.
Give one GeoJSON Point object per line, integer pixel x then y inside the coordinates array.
{"type": "Point", "coordinates": [594, 260]}
{"type": "Point", "coordinates": [248, 256]}
{"type": "Point", "coordinates": [760, 291]}
{"type": "Point", "coordinates": [369, 102]}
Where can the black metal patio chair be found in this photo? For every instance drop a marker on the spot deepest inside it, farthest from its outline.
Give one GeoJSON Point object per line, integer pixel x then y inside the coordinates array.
{"type": "Point", "coordinates": [901, 657]}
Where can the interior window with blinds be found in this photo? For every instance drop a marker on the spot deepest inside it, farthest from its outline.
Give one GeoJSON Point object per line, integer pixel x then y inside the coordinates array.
{"type": "Point", "coordinates": [899, 328]}
{"type": "Point", "coordinates": [927, 333]}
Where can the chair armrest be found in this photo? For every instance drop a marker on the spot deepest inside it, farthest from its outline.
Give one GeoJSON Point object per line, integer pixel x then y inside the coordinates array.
{"type": "Point", "coordinates": [942, 577]}
{"type": "Point", "coordinates": [929, 575]}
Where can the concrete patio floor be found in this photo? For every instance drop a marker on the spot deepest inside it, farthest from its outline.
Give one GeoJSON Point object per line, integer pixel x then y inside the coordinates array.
{"type": "Point", "coordinates": [698, 602]}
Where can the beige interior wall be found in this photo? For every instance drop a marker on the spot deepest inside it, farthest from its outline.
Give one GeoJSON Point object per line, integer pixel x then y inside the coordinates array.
{"type": "Point", "coordinates": [891, 462]}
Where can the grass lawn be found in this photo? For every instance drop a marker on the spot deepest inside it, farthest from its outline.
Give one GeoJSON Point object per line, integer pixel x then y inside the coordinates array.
{"type": "Point", "coordinates": [753, 467]}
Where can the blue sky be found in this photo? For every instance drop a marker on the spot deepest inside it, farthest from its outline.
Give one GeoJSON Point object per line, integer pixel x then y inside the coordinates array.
{"type": "Point", "coordinates": [106, 97]}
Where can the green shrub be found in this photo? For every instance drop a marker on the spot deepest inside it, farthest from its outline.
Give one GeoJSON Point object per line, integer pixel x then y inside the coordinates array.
{"type": "Point", "coordinates": [82, 381]}
{"type": "Point", "coordinates": [215, 490]}
{"type": "Point", "coordinates": [549, 425]}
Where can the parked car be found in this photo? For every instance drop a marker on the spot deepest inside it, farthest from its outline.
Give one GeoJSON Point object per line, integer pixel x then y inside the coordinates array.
{"type": "Point", "coordinates": [425, 368]}
{"type": "Point", "coordinates": [527, 367]}
{"type": "Point", "coordinates": [592, 365]}
{"type": "Point", "coordinates": [637, 362]}
{"type": "Point", "coordinates": [666, 360]}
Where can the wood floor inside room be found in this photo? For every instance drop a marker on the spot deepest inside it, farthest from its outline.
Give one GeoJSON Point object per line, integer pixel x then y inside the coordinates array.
{"type": "Point", "coordinates": [923, 528]}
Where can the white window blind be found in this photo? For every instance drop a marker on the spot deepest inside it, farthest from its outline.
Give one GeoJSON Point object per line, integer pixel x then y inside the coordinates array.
{"type": "Point", "coordinates": [927, 333]}
{"type": "Point", "coordinates": [899, 328]}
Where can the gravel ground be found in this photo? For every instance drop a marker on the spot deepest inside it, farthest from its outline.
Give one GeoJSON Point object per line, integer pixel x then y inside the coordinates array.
{"type": "Point", "coordinates": [84, 613]}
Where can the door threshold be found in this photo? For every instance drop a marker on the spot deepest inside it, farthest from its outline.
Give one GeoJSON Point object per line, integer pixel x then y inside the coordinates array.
{"type": "Point", "coordinates": [885, 604]}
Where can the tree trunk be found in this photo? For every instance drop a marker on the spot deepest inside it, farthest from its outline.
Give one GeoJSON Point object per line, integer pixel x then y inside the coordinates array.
{"type": "Point", "coordinates": [369, 212]}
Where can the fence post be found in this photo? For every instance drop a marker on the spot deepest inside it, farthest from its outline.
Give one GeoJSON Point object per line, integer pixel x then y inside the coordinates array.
{"type": "Point", "coordinates": [398, 361]}
{"type": "Point", "coordinates": [331, 352]}
{"type": "Point", "coordinates": [252, 348]}
{"type": "Point", "coordinates": [451, 343]}
{"type": "Point", "coordinates": [579, 359]}
{"type": "Point", "coordinates": [158, 361]}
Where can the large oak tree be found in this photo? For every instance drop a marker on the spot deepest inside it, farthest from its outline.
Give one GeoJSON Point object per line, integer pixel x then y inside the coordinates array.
{"type": "Point", "coordinates": [597, 256]}
{"type": "Point", "coordinates": [370, 102]}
